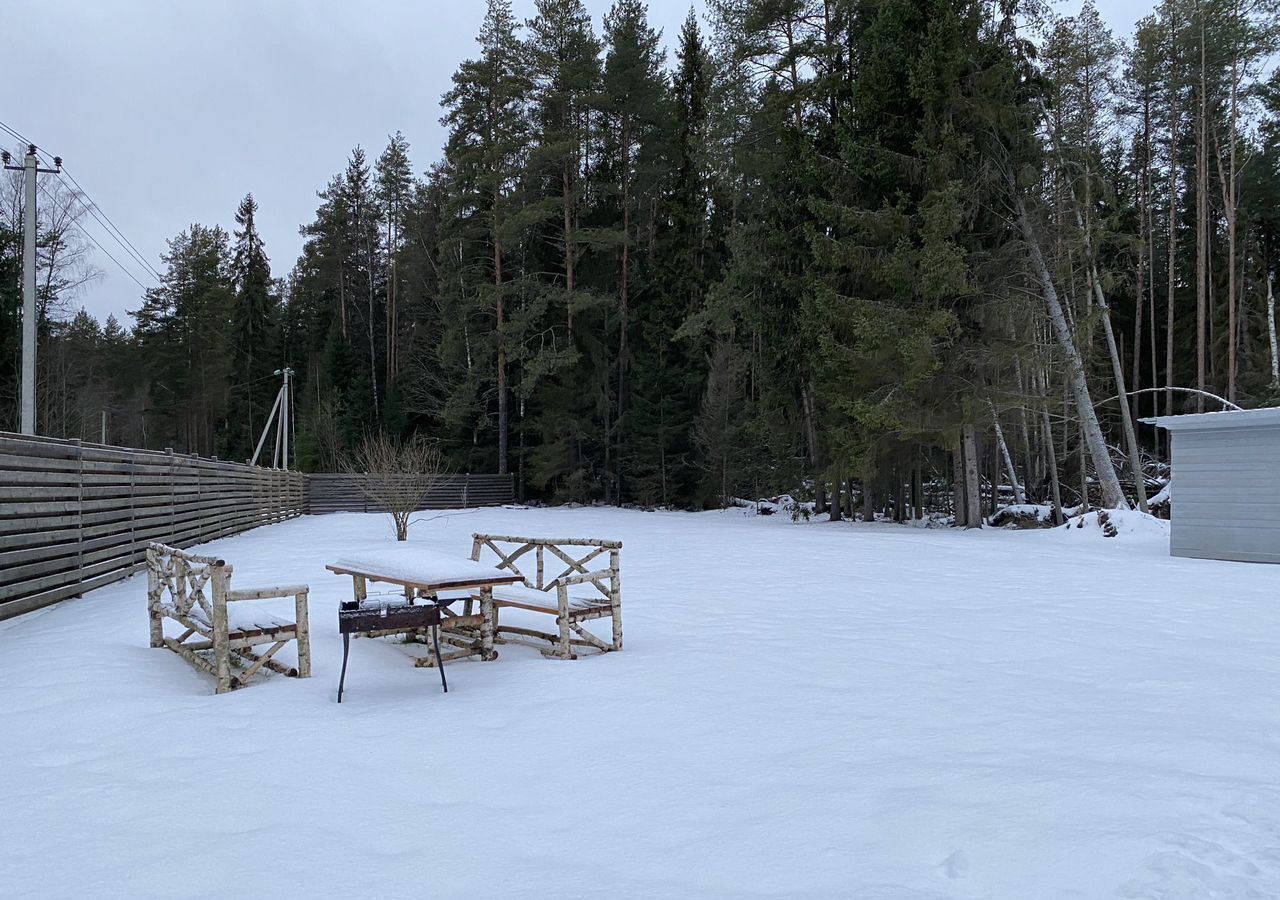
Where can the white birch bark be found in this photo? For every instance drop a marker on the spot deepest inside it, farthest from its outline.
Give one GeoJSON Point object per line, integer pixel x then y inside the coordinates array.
{"type": "Point", "coordinates": [1271, 332]}
{"type": "Point", "coordinates": [1112, 495]}
{"type": "Point", "coordinates": [1117, 370]}
{"type": "Point", "coordinates": [1018, 495]}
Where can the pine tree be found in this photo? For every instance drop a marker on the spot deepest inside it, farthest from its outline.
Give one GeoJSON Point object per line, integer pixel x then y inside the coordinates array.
{"type": "Point", "coordinates": [485, 154]}
{"type": "Point", "coordinates": [183, 330]}
{"type": "Point", "coordinates": [394, 185]}
{"type": "Point", "coordinates": [634, 108]}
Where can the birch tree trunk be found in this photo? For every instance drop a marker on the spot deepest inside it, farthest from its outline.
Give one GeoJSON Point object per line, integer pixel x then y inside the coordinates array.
{"type": "Point", "coordinates": [1271, 331]}
{"type": "Point", "coordinates": [1055, 487]}
{"type": "Point", "coordinates": [1018, 495]}
{"type": "Point", "coordinates": [1117, 367]}
{"type": "Point", "coordinates": [1112, 495]}
{"type": "Point", "coordinates": [1173, 214]}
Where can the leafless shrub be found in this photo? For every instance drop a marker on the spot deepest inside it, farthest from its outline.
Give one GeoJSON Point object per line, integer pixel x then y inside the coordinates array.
{"type": "Point", "coordinates": [396, 475]}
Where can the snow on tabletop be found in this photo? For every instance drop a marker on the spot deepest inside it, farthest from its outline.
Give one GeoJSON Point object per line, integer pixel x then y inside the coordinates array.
{"type": "Point", "coordinates": [410, 561]}
{"type": "Point", "coordinates": [1008, 715]}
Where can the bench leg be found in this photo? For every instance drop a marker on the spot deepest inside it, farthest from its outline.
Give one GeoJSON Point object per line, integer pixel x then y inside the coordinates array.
{"type": "Point", "coordinates": [346, 650]}
{"type": "Point", "coordinates": [487, 625]}
{"type": "Point", "coordinates": [154, 588]}
{"type": "Point", "coordinates": [617, 627]}
{"type": "Point", "coordinates": [435, 644]}
{"type": "Point", "coordinates": [304, 635]}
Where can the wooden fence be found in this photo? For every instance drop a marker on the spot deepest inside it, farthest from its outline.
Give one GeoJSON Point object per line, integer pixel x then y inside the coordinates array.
{"type": "Point", "coordinates": [341, 493]}
{"type": "Point", "coordinates": [75, 516]}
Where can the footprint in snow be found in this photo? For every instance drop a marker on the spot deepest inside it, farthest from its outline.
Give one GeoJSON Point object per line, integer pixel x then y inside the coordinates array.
{"type": "Point", "coordinates": [954, 865]}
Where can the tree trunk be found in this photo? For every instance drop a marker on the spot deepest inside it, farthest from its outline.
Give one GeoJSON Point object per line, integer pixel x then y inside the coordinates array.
{"type": "Point", "coordinates": [391, 295]}
{"type": "Point", "coordinates": [957, 484]}
{"type": "Point", "coordinates": [1018, 495]}
{"type": "Point", "coordinates": [504, 411]}
{"type": "Point", "coordinates": [1230, 204]}
{"type": "Point", "coordinates": [972, 485]}
{"type": "Point", "coordinates": [1202, 223]}
{"type": "Point", "coordinates": [1271, 331]}
{"type": "Point", "coordinates": [1055, 488]}
{"type": "Point", "coordinates": [811, 438]}
{"type": "Point", "coordinates": [1112, 495]}
{"type": "Point", "coordinates": [917, 491]}
{"type": "Point", "coordinates": [1117, 367]}
{"type": "Point", "coordinates": [1173, 225]}
{"type": "Point", "coordinates": [567, 197]}
{"type": "Point", "coordinates": [623, 311]}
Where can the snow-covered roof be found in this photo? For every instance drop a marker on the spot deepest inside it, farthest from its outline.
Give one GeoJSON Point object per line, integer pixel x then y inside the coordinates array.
{"type": "Point", "coordinates": [1231, 418]}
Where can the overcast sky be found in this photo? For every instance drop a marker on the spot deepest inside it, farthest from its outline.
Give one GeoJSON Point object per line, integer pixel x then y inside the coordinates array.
{"type": "Point", "coordinates": [168, 111]}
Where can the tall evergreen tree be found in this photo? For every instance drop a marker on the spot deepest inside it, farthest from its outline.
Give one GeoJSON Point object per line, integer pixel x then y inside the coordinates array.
{"type": "Point", "coordinates": [253, 335]}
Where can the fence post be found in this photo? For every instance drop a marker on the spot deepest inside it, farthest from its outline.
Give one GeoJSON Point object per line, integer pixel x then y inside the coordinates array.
{"type": "Point", "coordinates": [173, 500]}
{"type": "Point", "coordinates": [80, 505]}
{"type": "Point", "coordinates": [199, 501]}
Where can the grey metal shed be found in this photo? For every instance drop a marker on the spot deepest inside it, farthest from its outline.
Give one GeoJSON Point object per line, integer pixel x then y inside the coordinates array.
{"type": "Point", "coordinates": [1226, 484]}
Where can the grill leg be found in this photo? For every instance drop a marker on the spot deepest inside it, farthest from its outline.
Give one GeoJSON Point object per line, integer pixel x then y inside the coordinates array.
{"type": "Point", "coordinates": [435, 643]}
{"type": "Point", "coordinates": [346, 649]}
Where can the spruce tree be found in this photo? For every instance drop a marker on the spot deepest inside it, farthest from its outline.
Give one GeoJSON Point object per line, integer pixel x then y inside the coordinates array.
{"type": "Point", "coordinates": [253, 336]}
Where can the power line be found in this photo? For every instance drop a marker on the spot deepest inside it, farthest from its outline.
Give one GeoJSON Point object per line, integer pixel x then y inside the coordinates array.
{"type": "Point", "coordinates": [14, 133]}
{"type": "Point", "coordinates": [99, 215]}
{"type": "Point", "coordinates": [95, 242]}
{"type": "Point", "coordinates": [113, 230]}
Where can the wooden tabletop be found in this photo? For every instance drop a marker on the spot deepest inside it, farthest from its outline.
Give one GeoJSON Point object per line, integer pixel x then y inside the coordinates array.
{"type": "Point", "coordinates": [409, 565]}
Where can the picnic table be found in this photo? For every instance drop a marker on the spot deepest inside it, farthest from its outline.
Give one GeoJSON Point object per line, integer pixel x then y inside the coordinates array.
{"type": "Point", "coordinates": [423, 575]}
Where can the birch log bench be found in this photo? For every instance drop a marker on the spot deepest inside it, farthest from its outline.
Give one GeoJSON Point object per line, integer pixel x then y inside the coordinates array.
{"type": "Point", "coordinates": [195, 591]}
{"type": "Point", "coordinates": [576, 594]}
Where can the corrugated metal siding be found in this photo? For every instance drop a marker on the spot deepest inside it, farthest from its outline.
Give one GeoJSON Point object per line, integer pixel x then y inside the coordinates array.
{"type": "Point", "coordinates": [1226, 494]}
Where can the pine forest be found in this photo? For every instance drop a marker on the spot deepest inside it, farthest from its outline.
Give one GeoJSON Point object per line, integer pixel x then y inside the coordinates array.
{"type": "Point", "coordinates": [895, 257]}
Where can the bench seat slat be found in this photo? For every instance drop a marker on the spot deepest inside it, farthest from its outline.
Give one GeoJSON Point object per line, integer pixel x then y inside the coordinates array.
{"type": "Point", "coordinates": [540, 601]}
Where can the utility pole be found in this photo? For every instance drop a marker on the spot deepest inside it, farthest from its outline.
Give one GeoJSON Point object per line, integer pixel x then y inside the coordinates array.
{"type": "Point", "coordinates": [29, 168]}
{"type": "Point", "coordinates": [280, 453]}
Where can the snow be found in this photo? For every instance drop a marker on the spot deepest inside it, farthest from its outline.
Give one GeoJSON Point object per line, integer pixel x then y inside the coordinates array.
{"type": "Point", "coordinates": [802, 710]}
{"type": "Point", "coordinates": [1125, 522]}
{"type": "Point", "coordinates": [412, 562]}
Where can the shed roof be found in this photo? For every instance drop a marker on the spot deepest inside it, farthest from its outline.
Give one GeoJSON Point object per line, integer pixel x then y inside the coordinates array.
{"type": "Point", "coordinates": [1227, 419]}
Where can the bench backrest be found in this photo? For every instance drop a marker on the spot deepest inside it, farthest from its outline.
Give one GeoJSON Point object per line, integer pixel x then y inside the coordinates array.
{"type": "Point", "coordinates": [183, 580]}
{"type": "Point", "coordinates": [542, 562]}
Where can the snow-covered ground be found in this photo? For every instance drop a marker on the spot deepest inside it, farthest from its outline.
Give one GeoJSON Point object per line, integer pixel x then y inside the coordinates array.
{"type": "Point", "coordinates": [802, 710]}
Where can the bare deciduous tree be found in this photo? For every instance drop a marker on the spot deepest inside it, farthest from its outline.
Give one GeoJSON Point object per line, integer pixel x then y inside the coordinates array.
{"type": "Point", "coordinates": [396, 475]}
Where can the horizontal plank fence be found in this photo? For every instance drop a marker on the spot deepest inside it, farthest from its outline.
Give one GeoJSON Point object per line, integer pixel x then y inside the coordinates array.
{"type": "Point", "coordinates": [75, 516]}
{"type": "Point", "coordinates": [342, 493]}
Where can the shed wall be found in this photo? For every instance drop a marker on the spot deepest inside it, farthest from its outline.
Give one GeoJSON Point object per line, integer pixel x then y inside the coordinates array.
{"type": "Point", "coordinates": [1226, 494]}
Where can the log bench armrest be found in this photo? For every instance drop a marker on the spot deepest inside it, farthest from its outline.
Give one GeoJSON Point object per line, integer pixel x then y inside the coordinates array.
{"type": "Point", "coordinates": [291, 590]}
{"type": "Point", "coordinates": [583, 578]}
